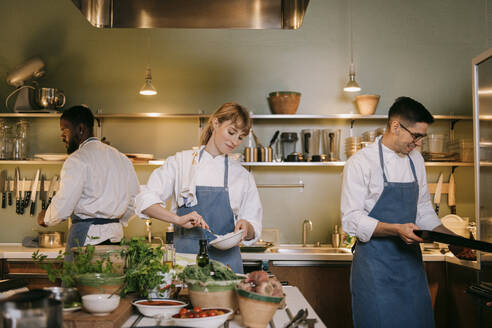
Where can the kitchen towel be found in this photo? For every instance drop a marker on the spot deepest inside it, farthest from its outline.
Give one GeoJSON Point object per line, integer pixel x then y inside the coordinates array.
{"type": "Point", "coordinates": [185, 186]}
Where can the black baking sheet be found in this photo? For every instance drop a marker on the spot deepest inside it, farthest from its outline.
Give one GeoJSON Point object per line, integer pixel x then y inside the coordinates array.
{"type": "Point", "coordinates": [454, 240]}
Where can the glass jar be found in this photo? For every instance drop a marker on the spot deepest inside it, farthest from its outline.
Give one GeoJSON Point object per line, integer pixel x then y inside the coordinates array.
{"type": "Point", "coordinates": [5, 140]}
{"type": "Point", "coordinates": [19, 147]}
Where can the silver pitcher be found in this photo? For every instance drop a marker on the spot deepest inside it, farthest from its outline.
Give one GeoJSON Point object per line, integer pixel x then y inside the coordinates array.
{"type": "Point", "coordinates": [50, 98]}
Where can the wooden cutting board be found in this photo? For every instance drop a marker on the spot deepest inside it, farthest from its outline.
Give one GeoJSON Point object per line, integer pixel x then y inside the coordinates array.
{"type": "Point", "coordinates": [115, 319]}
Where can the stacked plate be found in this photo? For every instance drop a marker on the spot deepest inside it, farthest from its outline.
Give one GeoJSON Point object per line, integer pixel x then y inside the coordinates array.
{"type": "Point", "coordinates": [352, 145]}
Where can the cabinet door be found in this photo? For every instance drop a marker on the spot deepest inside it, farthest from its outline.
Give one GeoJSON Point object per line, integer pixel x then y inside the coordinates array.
{"type": "Point", "coordinates": [325, 285]}
{"type": "Point", "coordinates": [30, 272]}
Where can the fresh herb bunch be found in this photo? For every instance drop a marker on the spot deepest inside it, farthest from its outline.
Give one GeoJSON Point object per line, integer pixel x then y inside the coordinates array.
{"type": "Point", "coordinates": [82, 258]}
{"type": "Point", "coordinates": [144, 267]}
{"type": "Point", "coordinates": [214, 271]}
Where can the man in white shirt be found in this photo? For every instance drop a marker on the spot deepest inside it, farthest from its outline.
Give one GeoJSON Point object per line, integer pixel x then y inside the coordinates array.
{"type": "Point", "coordinates": [384, 199]}
{"type": "Point", "coordinates": [98, 185]}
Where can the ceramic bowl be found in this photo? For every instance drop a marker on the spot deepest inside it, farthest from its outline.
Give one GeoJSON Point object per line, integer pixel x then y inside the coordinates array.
{"type": "Point", "coordinates": [100, 304]}
{"type": "Point", "coordinates": [158, 310]}
{"type": "Point", "coordinates": [367, 104]}
{"type": "Point", "coordinates": [205, 322]}
{"type": "Point", "coordinates": [99, 283]}
{"type": "Point", "coordinates": [284, 102]}
{"type": "Point", "coordinates": [257, 310]}
{"type": "Point", "coordinates": [220, 294]}
{"type": "Point", "coordinates": [227, 241]}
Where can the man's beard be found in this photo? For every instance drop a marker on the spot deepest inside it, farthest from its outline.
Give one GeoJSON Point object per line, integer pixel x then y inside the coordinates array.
{"type": "Point", "coordinates": [72, 146]}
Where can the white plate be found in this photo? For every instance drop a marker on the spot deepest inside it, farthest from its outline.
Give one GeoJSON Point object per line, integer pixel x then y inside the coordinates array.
{"type": "Point", "coordinates": [52, 157]}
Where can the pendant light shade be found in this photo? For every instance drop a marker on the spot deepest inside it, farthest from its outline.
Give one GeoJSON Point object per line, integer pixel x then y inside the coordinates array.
{"type": "Point", "coordinates": [352, 85]}
{"type": "Point", "coordinates": [148, 89]}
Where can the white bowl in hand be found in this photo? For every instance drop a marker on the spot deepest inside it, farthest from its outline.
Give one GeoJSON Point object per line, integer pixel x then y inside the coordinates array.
{"type": "Point", "coordinates": [228, 240]}
{"type": "Point", "coordinates": [100, 304]}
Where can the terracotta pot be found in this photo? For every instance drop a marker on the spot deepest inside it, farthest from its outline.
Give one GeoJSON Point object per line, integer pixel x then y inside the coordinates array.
{"type": "Point", "coordinates": [284, 102]}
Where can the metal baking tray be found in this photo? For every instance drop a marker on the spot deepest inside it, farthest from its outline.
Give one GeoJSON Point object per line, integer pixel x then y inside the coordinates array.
{"type": "Point", "coordinates": [454, 240]}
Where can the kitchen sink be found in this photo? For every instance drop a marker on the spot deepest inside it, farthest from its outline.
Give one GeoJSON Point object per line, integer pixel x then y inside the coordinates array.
{"type": "Point", "coordinates": [300, 249]}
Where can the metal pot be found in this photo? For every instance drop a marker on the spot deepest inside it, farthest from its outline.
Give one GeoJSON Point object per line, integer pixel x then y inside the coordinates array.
{"type": "Point", "coordinates": [50, 239]}
{"type": "Point", "coordinates": [31, 309]}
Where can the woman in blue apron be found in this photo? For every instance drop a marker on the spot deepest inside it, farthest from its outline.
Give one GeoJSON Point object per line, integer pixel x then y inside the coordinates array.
{"type": "Point", "coordinates": [208, 188]}
{"type": "Point", "coordinates": [384, 267]}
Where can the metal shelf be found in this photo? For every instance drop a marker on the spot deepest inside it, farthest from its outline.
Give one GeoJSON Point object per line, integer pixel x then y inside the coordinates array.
{"type": "Point", "coordinates": [254, 116]}
{"type": "Point", "coordinates": [247, 164]}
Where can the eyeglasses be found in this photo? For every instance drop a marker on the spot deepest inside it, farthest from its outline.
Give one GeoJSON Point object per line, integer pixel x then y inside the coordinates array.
{"type": "Point", "coordinates": [416, 136]}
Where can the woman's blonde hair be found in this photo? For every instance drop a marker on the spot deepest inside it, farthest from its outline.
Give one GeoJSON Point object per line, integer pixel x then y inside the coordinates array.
{"type": "Point", "coordinates": [230, 111]}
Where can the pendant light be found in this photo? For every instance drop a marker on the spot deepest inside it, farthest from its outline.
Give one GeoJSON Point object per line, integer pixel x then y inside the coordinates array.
{"type": "Point", "coordinates": [352, 85]}
{"type": "Point", "coordinates": [148, 89]}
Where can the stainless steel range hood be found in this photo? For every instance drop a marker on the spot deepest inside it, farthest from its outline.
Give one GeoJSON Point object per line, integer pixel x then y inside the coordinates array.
{"type": "Point", "coordinates": [238, 14]}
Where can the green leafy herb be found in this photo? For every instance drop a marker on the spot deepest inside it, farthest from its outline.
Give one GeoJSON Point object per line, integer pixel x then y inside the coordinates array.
{"type": "Point", "coordinates": [144, 267]}
{"type": "Point", "coordinates": [214, 271]}
{"type": "Point", "coordinates": [82, 263]}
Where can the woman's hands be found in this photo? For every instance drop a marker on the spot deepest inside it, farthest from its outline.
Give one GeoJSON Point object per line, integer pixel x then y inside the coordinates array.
{"type": "Point", "coordinates": [246, 227]}
{"type": "Point", "coordinates": [192, 220]}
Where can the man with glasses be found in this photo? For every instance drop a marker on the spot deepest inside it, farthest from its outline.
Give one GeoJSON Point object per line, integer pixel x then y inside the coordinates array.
{"type": "Point", "coordinates": [384, 199]}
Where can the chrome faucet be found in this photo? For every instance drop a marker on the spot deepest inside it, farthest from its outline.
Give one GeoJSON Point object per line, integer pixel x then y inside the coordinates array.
{"type": "Point", "coordinates": [305, 223]}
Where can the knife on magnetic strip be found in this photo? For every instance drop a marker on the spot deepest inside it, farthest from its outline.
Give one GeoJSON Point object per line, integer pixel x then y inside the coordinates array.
{"type": "Point", "coordinates": [51, 190]}
{"type": "Point", "coordinates": [3, 180]}
{"type": "Point", "coordinates": [451, 195]}
{"type": "Point", "coordinates": [437, 194]}
{"type": "Point", "coordinates": [17, 190]}
{"type": "Point", "coordinates": [42, 193]}
{"type": "Point", "coordinates": [34, 191]}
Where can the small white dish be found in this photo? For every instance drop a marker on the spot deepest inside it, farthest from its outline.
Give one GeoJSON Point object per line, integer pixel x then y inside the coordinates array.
{"type": "Point", "coordinates": [165, 311]}
{"type": "Point", "coordinates": [52, 157]}
{"type": "Point", "coordinates": [227, 241]}
{"type": "Point", "coordinates": [100, 304]}
{"type": "Point", "coordinates": [205, 322]}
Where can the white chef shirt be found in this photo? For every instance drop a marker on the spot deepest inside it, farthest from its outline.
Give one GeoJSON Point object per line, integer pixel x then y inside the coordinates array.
{"type": "Point", "coordinates": [363, 183]}
{"type": "Point", "coordinates": [243, 194]}
{"type": "Point", "coordinates": [96, 181]}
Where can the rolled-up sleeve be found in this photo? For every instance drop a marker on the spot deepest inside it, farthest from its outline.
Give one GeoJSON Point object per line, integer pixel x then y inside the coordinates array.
{"type": "Point", "coordinates": [355, 219]}
{"type": "Point", "coordinates": [251, 209]}
{"type": "Point", "coordinates": [159, 188]}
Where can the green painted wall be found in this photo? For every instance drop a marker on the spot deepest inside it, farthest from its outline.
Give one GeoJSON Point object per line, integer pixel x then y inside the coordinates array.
{"type": "Point", "coordinates": [418, 48]}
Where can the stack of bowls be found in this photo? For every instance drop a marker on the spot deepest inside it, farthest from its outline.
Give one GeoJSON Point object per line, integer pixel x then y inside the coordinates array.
{"type": "Point", "coordinates": [369, 136]}
{"type": "Point", "coordinates": [352, 145]}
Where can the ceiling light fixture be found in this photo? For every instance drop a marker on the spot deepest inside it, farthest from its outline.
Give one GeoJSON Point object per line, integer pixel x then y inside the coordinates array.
{"type": "Point", "coordinates": [148, 89]}
{"type": "Point", "coordinates": [352, 85]}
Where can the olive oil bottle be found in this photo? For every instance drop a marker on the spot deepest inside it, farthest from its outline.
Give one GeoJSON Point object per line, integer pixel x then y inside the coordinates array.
{"type": "Point", "coordinates": [169, 250]}
{"type": "Point", "coordinates": [202, 257]}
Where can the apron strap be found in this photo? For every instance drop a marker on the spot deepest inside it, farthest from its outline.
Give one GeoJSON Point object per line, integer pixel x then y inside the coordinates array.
{"type": "Point", "coordinates": [226, 167]}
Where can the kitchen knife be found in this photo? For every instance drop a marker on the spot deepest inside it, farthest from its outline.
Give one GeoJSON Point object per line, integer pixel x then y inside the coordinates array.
{"type": "Point", "coordinates": [451, 194]}
{"type": "Point", "coordinates": [42, 193]}
{"type": "Point", "coordinates": [51, 190]}
{"type": "Point", "coordinates": [437, 194]}
{"type": "Point", "coordinates": [9, 191]}
{"type": "Point", "coordinates": [17, 190]}
{"type": "Point", "coordinates": [3, 180]}
{"type": "Point", "coordinates": [23, 196]}
{"type": "Point", "coordinates": [34, 190]}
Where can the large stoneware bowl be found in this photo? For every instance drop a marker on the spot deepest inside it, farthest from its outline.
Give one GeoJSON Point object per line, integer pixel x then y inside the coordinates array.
{"type": "Point", "coordinates": [99, 283]}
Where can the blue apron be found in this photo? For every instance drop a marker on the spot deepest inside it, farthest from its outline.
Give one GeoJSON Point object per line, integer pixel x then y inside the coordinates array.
{"type": "Point", "coordinates": [214, 206]}
{"type": "Point", "coordinates": [78, 232]}
{"type": "Point", "coordinates": [388, 281]}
